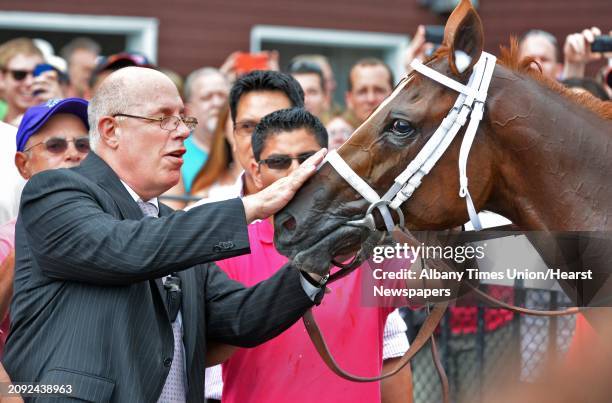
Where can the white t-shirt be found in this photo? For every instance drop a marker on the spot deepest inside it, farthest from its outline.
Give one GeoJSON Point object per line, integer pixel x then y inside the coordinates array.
{"type": "Point", "coordinates": [12, 183]}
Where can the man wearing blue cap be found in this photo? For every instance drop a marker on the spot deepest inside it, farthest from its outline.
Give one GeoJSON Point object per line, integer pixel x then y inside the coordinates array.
{"type": "Point", "coordinates": [52, 135]}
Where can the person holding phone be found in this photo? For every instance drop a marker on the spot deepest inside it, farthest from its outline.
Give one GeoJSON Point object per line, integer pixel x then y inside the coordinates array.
{"type": "Point", "coordinates": [240, 63]}
{"type": "Point", "coordinates": [578, 52]}
{"type": "Point", "coordinates": [49, 83]}
{"type": "Point", "coordinates": [419, 47]}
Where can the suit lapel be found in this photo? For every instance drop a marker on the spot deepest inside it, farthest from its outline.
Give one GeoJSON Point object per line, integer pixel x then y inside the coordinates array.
{"type": "Point", "coordinates": [189, 308]}
{"type": "Point", "coordinates": [98, 170]}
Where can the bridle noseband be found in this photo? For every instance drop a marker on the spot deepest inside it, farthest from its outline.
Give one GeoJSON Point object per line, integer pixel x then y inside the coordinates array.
{"type": "Point", "coordinates": [470, 103]}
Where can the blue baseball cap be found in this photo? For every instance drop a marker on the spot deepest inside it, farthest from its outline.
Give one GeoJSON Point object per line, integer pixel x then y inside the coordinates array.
{"type": "Point", "coordinates": [35, 117]}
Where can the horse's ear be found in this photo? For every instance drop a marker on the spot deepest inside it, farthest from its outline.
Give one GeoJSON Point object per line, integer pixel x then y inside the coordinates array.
{"type": "Point", "coordinates": [463, 35]}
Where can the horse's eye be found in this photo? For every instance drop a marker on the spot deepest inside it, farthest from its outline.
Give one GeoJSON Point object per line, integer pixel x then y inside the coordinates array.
{"type": "Point", "coordinates": [402, 128]}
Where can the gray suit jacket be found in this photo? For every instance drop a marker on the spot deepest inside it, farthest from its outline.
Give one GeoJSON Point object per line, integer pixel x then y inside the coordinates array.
{"type": "Point", "coordinates": [87, 308]}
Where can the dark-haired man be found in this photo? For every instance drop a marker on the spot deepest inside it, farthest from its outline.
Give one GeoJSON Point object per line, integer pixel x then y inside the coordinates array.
{"type": "Point", "coordinates": [281, 141]}
{"type": "Point", "coordinates": [252, 97]}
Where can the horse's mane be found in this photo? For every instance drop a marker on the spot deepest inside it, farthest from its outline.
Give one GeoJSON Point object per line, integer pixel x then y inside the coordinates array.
{"type": "Point", "coordinates": [510, 59]}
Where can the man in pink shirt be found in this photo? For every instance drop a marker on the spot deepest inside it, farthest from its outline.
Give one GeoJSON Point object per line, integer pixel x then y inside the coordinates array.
{"type": "Point", "coordinates": [286, 368]}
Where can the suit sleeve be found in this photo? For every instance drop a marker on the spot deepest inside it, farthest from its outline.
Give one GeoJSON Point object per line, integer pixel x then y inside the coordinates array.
{"type": "Point", "coordinates": [72, 237]}
{"type": "Point", "coordinates": [247, 317]}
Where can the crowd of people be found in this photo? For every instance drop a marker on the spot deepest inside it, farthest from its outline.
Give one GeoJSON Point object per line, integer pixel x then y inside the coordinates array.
{"type": "Point", "coordinates": [105, 288]}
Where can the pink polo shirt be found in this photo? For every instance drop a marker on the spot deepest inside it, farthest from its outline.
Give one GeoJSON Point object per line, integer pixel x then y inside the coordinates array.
{"type": "Point", "coordinates": [7, 244]}
{"type": "Point", "coordinates": [288, 367]}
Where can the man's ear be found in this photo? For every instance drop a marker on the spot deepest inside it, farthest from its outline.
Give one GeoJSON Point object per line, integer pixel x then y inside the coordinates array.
{"type": "Point", "coordinates": [22, 162]}
{"type": "Point", "coordinates": [109, 131]}
{"type": "Point", "coordinates": [256, 174]}
{"type": "Point", "coordinates": [463, 35]}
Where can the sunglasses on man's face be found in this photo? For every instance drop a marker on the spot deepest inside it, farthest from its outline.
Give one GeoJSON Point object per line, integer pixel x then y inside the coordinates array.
{"type": "Point", "coordinates": [284, 161]}
{"type": "Point", "coordinates": [19, 75]}
{"type": "Point", "coordinates": [59, 145]}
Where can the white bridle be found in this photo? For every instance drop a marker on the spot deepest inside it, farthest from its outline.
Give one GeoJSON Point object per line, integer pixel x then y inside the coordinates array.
{"type": "Point", "coordinates": [470, 102]}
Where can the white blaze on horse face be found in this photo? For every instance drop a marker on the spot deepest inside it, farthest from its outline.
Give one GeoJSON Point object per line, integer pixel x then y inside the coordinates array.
{"type": "Point", "coordinates": [462, 60]}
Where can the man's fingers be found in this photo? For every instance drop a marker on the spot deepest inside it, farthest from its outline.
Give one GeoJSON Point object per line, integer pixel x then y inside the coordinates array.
{"type": "Point", "coordinates": [307, 169]}
{"type": "Point", "coordinates": [577, 42]}
{"type": "Point", "coordinates": [316, 158]}
{"type": "Point", "coordinates": [419, 36]}
{"type": "Point", "coordinates": [590, 34]}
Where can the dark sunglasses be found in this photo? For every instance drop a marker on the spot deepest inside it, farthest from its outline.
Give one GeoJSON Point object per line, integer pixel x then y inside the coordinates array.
{"type": "Point", "coordinates": [19, 75]}
{"type": "Point", "coordinates": [284, 161]}
{"type": "Point", "coordinates": [58, 145]}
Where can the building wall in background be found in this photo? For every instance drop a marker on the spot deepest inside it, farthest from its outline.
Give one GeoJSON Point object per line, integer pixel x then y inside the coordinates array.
{"type": "Point", "coordinates": [194, 33]}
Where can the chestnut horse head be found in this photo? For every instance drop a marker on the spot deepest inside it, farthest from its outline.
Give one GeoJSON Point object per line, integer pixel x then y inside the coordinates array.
{"type": "Point", "coordinates": [540, 156]}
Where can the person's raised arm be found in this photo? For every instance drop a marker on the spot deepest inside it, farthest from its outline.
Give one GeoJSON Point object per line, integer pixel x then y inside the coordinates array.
{"type": "Point", "coordinates": [577, 52]}
{"type": "Point", "coordinates": [74, 237]}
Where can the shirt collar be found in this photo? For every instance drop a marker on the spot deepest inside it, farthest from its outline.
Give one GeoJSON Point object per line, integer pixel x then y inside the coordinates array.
{"type": "Point", "coordinates": [265, 230]}
{"type": "Point", "coordinates": [240, 183]}
{"type": "Point", "coordinates": [137, 198]}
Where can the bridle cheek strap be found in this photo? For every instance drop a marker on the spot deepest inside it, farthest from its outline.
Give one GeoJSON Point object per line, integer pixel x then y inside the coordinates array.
{"type": "Point", "coordinates": [469, 103]}
{"type": "Point", "coordinates": [365, 190]}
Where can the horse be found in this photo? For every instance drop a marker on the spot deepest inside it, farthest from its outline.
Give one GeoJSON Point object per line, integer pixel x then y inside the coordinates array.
{"type": "Point", "coordinates": [539, 155]}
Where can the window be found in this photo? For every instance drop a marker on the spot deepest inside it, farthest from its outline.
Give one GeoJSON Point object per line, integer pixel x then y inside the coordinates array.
{"type": "Point", "coordinates": [342, 48]}
{"type": "Point", "coordinates": [113, 33]}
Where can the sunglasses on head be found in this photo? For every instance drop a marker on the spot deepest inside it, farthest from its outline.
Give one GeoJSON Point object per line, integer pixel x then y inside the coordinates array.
{"type": "Point", "coordinates": [19, 75]}
{"type": "Point", "coordinates": [58, 145]}
{"type": "Point", "coordinates": [284, 161]}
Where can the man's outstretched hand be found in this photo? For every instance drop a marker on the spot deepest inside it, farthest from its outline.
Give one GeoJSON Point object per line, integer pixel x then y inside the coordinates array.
{"type": "Point", "coordinates": [276, 196]}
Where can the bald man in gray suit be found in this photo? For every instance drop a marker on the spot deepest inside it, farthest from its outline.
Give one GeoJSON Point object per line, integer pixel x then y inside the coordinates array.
{"type": "Point", "coordinates": [113, 296]}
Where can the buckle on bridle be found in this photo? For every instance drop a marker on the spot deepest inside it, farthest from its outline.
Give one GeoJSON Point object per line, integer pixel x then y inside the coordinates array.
{"type": "Point", "coordinates": [368, 221]}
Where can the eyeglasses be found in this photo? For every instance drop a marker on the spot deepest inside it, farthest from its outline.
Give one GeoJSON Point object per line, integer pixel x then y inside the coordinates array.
{"type": "Point", "coordinates": [168, 123]}
{"type": "Point", "coordinates": [244, 128]}
{"type": "Point", "coordinates": [19, 75]}
{"type": "Point", "coordinates": [284, 161]}
{"type": "Point", "coordinates": [59, 145]}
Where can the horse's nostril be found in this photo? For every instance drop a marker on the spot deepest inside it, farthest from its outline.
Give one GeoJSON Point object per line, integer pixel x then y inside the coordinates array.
{"type": "Point", "coordinates": [289, 224]}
